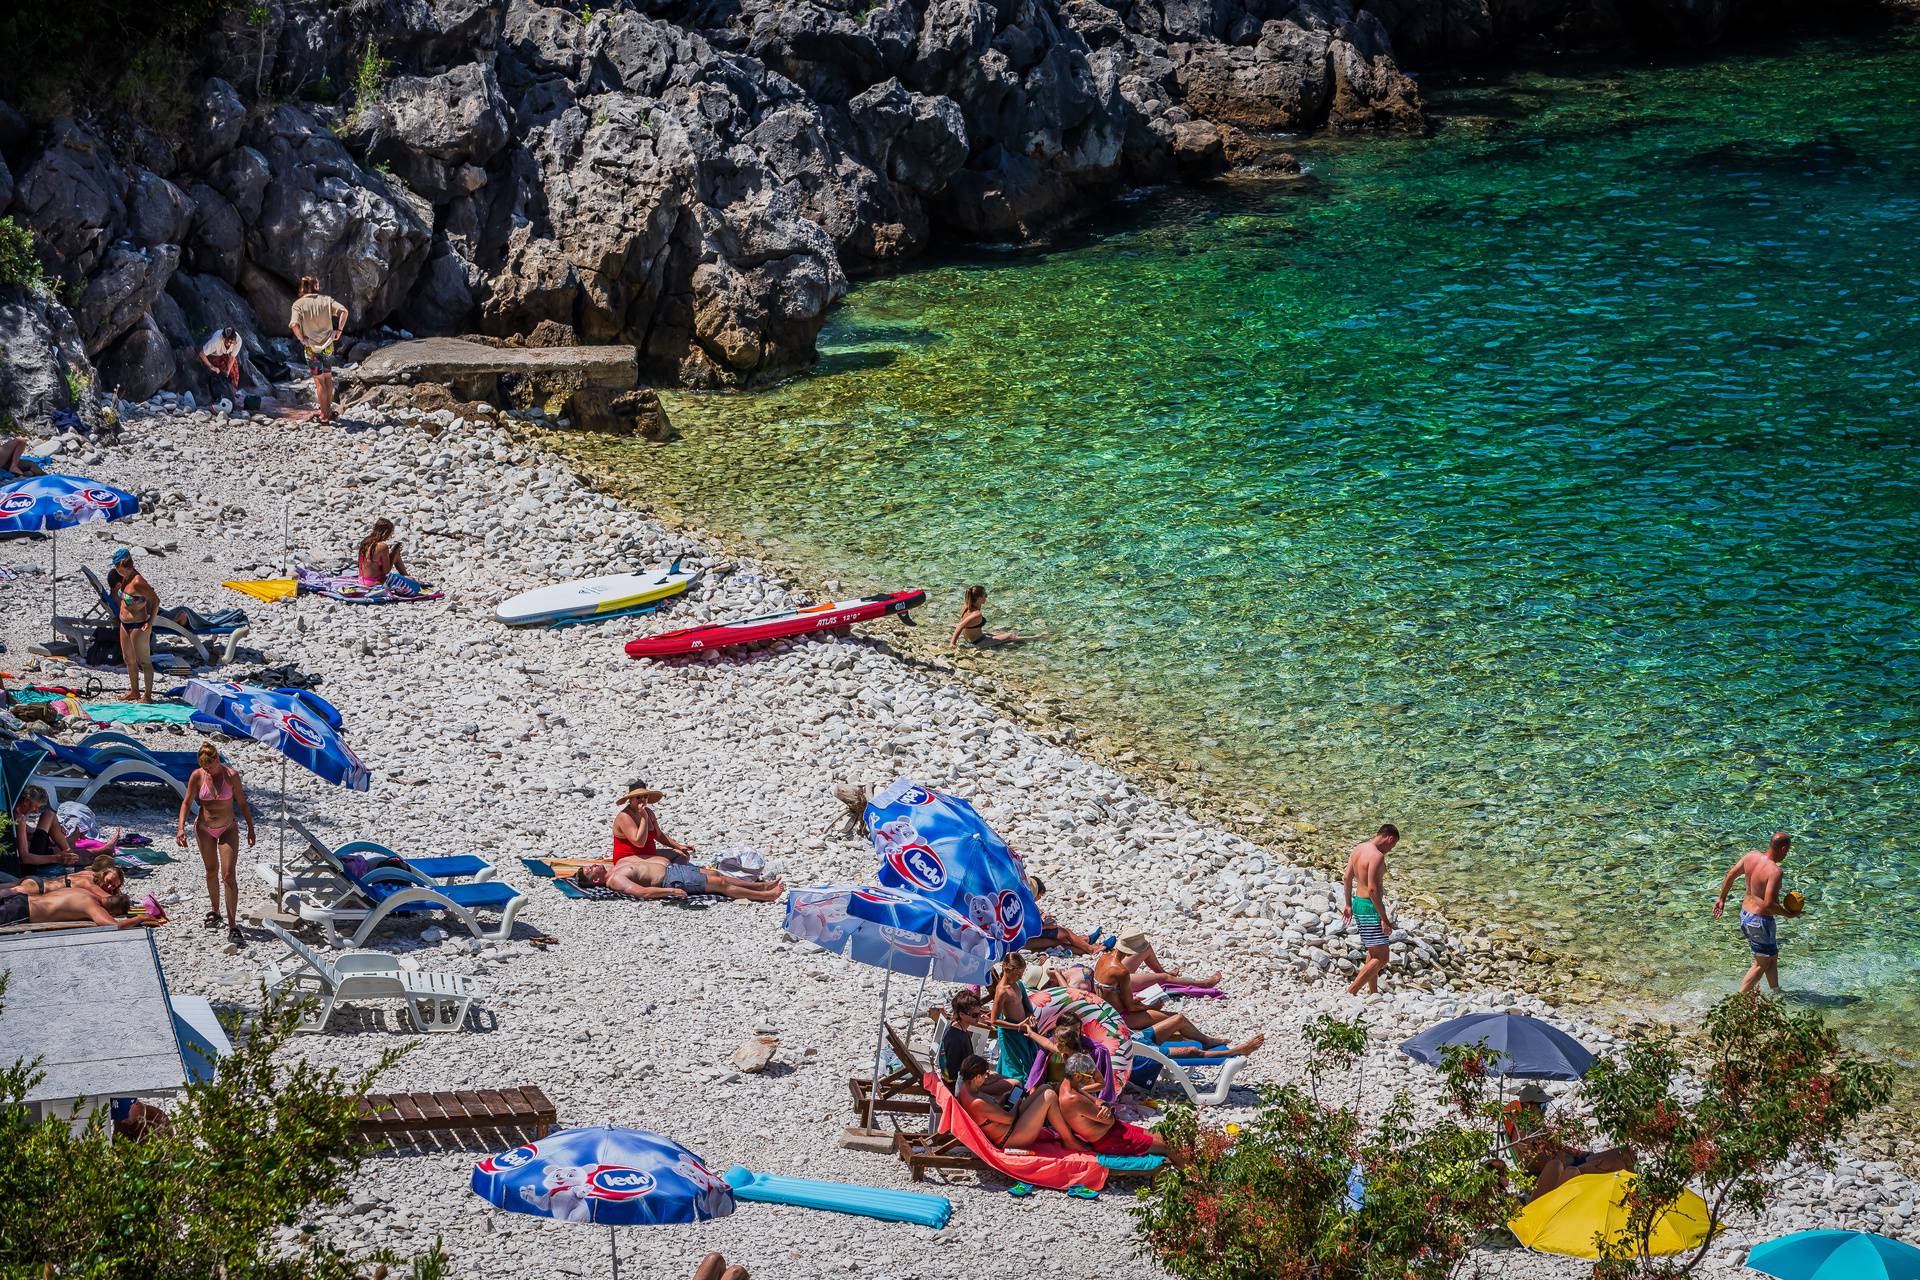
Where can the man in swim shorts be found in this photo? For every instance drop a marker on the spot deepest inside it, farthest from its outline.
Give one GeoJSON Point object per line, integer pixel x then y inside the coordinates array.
{"type": "Point", "coordinates": [1366, 890]}
{"type": "Point", "coordinates": [1759, 908]}
{"type": "Point", "coordinates": [67, 906]}
{"type": "Point", "coordinates": [1093, 1121]}
{"type": "Point", "coordinates": [651, 879]}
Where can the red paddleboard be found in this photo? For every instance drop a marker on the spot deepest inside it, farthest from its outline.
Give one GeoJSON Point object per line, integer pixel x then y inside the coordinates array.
{"type": "Point", "coordinates": [771, 626]}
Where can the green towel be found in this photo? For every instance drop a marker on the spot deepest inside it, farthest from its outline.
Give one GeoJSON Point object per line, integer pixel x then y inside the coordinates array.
{"type": "Point", "coordinates": [140, 712]}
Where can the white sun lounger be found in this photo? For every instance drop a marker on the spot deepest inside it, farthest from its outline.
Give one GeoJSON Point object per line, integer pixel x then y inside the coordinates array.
{"type": "Point", "coordinates": [1175, 1069]}
{"type": "Point", "coordinates": [347, 909]}
{"type": "Point", "coordinates": [435, 1001]}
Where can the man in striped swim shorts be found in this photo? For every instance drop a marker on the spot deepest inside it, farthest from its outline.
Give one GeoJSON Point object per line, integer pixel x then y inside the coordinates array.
{"type": "Point", "coordinates": [1366, 886]}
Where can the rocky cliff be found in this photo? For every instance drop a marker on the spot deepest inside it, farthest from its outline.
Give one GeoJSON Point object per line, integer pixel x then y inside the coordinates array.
{"type": "Point", "coordinates": [698, 178]}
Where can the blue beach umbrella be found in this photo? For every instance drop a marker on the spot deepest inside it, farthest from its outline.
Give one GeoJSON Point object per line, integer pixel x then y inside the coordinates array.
{"type": "Point", "coordinates": [291, 726]}
{"type": "Point", "coordinates": [613, 1177]}
{"type": "Point", "coordinates": [1524, 1047]}
{"type": "Point", "coordinates": [1836, 1255]}
{"type": "Point", "coordinates": [900, 932]}
{"type": "Point", "coordinates": [46, 504]}
{"type": "Point", "coordinates": [938, 846]}
{"type": "Point", "coordinates": [897, 932]}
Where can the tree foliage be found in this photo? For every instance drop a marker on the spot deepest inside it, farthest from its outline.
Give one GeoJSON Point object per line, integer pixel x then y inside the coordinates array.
{"type": "Point", "coordinates": [18, 263]}
{"type": "Point", "coordinates": [1773, 1082]}
{"type": "Point", "coordinates": [1307, 1192]}
{"type": "Point", "coordinates": [251, 1153]}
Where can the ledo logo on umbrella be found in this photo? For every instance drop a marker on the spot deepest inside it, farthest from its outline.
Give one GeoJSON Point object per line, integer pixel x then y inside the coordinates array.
{"type": "Point", "coordinates": [618, 1182]}
{"type": "Point", "coordinates": [1010, 914]}
{"type": "Point", "coordinates": [507, 1161]}
{"type": "Point", "coordinates": [15, 503]}
{"type": "Point", "coordinates": [916, 795]}
{"type": "Point", "coordinates": [106, 499]}
{"type": "Point", "coordinates": [919, 866]}
{"type": "Point", "coordinates": [300, 731]}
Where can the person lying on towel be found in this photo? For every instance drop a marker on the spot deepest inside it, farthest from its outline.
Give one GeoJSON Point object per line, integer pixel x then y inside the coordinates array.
{"type": "Point", "coordinates": [69, 906]}
{"type": "Point", "coordinates": [1093, 1122]}
{"type": "Point", "coordinates": [1012, 1120]}
{"type": "Point", "coordinates": [650, 878]}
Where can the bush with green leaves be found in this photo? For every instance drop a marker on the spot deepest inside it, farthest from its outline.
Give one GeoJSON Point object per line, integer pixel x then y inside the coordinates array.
{"type": "Point", "coordinates": [1310, 1192]}
{"type": "Point", "coordinates": [19, 265]}
{"type": "Point", "coordinates": [1769, 1082]}
{"type": "Point", "coordinates": [252, 1152]}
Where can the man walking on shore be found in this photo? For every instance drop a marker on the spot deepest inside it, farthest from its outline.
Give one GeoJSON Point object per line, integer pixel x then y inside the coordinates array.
{"type": "Point", "coordinates": [1366, 889]}
{"type": "Point", "coordinates": [1758, 909]}
{"type": "Point", "coordinates": [318, 321]}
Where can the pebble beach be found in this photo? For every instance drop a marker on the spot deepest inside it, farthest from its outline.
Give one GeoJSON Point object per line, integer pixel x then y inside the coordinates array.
{"type": "Point", "coordinates": [515, 744]}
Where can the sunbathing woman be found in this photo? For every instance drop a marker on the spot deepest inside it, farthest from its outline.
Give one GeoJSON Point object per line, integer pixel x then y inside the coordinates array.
{"type": "Point", "coordinates": [216, 788]}
{"type": "Point", "coordinates": [134, 604]}
{"type": "Point", "coordinates": [972, 626]}
{"type": "Point", "coordinates": [13, 460]}
{"type": "Point", "coordinates": [636, 831]}
{"type": "Point", "coordinates": [1020, 1125]}
{"type": "Point", "coordinates": [1116, 984]}
{"type": "Point", "coordinates": [650, 878]}
{"type": "Point", "coordinates": [379, 556]}
{"type": "Point", "coordinates": [103, 878]}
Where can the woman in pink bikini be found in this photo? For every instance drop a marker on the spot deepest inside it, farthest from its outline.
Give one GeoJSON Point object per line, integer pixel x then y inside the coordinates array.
{"type": "Point", "coordinates": [379, 555]}
{"type": "Point", "coordinates": [217, 790]}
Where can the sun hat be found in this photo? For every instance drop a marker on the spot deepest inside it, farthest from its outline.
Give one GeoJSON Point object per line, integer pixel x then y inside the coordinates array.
{"type": "Point", "coordinates": [1131, 941]}
{"type": "Point", "coordinates": [643, 793]}
{"type": "Point", "coordinates": [1534, 1094]}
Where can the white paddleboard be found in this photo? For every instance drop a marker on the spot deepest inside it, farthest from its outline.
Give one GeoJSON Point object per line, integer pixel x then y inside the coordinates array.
{"type": "Point", "coordinates": [593, 597]}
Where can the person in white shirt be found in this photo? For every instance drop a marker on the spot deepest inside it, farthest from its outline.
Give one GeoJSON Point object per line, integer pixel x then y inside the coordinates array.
{"type": "Point", "coordinates": [221, 355]}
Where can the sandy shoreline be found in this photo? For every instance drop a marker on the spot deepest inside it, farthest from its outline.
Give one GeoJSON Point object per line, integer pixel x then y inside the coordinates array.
{"type": "Point", "coordinates": [513, 744]}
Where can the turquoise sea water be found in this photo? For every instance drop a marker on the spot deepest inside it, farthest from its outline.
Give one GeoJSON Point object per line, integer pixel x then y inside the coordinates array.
{"type": "Point", "coordinates": [1546, 486]}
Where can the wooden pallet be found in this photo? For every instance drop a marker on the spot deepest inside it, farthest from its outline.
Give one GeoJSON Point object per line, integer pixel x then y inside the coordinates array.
{"type": "Point", "coordinates": [385, 1115]}
{"type": "Point", "coordinates": [901, 1092]}
{"type": "Point", "coordinates": [924, 1151]}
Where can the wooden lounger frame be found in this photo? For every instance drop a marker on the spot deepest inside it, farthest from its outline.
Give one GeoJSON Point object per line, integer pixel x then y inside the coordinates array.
{"type": "Point", "coordinates": [392, 1115]}
{"type": "Point", "coordinates": [901, 1092]}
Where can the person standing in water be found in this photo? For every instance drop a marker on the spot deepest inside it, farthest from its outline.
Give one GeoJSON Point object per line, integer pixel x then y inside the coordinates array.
{"type": "Point", "coordinates": [216, 788]}
{"type": "Point", "coordinates": [1759, 908]}
{"type": "Point", "coordinates": [972, 626]}
{"type": "Point", "coordinates": [1366, 890]}
{"type": "Point", "coordinates": [135, 603]}
{"type": "Point", "coordinates": [318, 321]}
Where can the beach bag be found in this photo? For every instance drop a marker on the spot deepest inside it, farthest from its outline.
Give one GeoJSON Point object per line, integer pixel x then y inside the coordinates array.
{"type": "Point", "coordinates": [746, 864]}
{"type": "Point", "coordinates": [103, 648]}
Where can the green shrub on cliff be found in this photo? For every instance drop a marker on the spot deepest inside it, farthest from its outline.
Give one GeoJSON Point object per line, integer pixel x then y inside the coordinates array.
{"type": "Point", "coordinates": [18, 265]}
{"type": "Point", "coordinates": [57, 56]}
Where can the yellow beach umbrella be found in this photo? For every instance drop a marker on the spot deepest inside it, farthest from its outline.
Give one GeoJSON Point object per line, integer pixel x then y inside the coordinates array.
{"type": "Point", "coordinates": [1568, 1218]}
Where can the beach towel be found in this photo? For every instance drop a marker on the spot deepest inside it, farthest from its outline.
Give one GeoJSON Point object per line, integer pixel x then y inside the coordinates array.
{"type": "Point", "coordinates": [268, 590]}
{"type": "Point", "coordinates": [141, 712]}
{"type": "Point", "coordinates": [1047, 1164]}
{"type": "Point", "coordinates": [558, 872]}
{"type": "Point", "coordinates": [1189, 991]}
{"type": "Point", "coordinates": [347, 587]}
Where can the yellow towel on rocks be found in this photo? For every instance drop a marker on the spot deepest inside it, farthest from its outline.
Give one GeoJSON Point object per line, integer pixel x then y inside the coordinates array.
{"type": "Point", "coordinates": [267, 589]}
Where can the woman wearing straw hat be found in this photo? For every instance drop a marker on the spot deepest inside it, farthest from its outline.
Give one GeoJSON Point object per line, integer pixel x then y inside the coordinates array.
{"type": "Point", "coordinates": [636, 831]}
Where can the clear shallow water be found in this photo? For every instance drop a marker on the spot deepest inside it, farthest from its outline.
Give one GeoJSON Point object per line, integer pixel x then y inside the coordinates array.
{"type": "Point", "coordinates": [1546, 486]}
